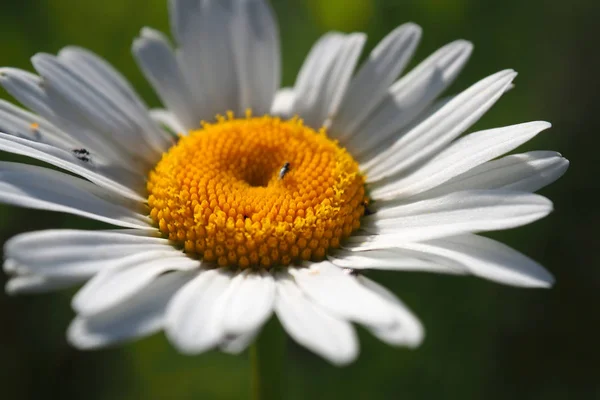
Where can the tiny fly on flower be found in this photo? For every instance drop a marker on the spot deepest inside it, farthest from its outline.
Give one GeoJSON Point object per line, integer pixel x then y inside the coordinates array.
{"type": "Point", "coordinates": [284, 170]}
{"type": "Point", "coordinates": [82, 154]}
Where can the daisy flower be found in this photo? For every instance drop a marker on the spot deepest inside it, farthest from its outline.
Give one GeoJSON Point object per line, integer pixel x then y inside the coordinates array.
{"type": "Point", "coordinates": [241, 199]}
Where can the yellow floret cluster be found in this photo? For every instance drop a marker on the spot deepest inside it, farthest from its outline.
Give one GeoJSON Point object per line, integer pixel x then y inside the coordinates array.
{"type": "Point", "coordinates": [256, 192]}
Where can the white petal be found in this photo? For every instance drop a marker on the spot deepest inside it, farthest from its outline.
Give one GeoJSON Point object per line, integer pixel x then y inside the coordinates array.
{"type": "Point", "coordinates": [203, 30]}
{"type": "Point", "coordinates": [310, 78]}
{"type": "Point", "coordinates": [408, 98]}
{"type": "Point", "coordinates": [40, 188]}
{"type": "Point", "coordinates": [389, 259]}
{"type": "Point", "coordinates": [486, 258]}
{"type": "Point", "coordinates": [194, 315]}
{"type": "Point", "coordinates": [461, 212]}
{"type": "Point", "coordinates": [371, 156]}
{"type": "Point", "coordinates": [250, 303]}
{"type": "Point", "coordinates": [99, 73]}
{"type": "Point", "coordinates": [31, 135]}
{"type": "Point", "coordinates": [429, 137]}
{"type": "Point", "coordinates": [29, 89]}
{"type": "Point", "coordinates": [463, 155]}
{"type": "Point", "coordinates": [68, 262]}
{"type": "Point", "coordinates": [18, 122]}
{"type": "Point", "coordinates": [72, 253]}
{"type": "Point", "coordinates": [312, 327]}
{"type": "Point", "coordinates": [69, 237]}
{"type": "Point", "coordinates": [527, 172]}
{"type": "Point", "coordinates": [126, 277]}
{"type": "Point", "coordinates": [337, 82]}
{"type": "Point", "coordinates": [369, 86]}
{"type": "Point", "coordinates": [157, 61]}
{"type": "Point", "coordinates": [341, 294]}
{"type": "Point", "coordinates": [257, 55]}
{"type": "Point", "coordinates": [323, 78]}
{"type": "Point", "coordinates": [238, 343]}
{"type": "Point", "coordinates": [9, 266]}
{"type": "Point", "coordinates": [28, 284]}
{"type": "Point", "coordinates": [113, 178]}
{"type": "Point", "coordinates": [407, 331]}
{"type": "Point", "coordinates": [103, 113]}
{"type": "Point", "coordinates": [170, 121]}
{"type": "Point", "coordinates": [283, 103]}
{"type": "Point", "coordinates": [141, 316]}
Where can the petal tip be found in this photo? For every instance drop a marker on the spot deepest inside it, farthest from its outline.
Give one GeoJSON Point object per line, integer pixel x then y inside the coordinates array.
{"type": "Point", "coordinates": [11, 288]}
{"type": "Point", "coordinates": [412, 28]}
{"type": "Point", "coordinates": [463, 46]}
{"type": "Point", "coordinates": [10, 265]}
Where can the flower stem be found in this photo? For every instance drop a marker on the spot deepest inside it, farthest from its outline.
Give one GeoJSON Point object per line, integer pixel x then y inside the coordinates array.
{"type": "Point", "coordinates": [266, 362]}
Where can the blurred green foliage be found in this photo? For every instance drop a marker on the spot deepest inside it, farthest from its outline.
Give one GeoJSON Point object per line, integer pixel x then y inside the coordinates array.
{"type": "Point", "coordinates": [483, 340]}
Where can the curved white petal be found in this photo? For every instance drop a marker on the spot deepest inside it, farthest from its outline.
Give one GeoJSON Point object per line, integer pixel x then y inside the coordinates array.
{"type": "Point", "coordinates": [408, 98]}
{"type": "Point", "coordinates": [312, 327]}
{"type": "Point", "coordinates": [40, 188]}
{"type": "Point", "coordinates": [48, 239]}
{"type": "Point", "coordinates": [30, 91]}
{"type": "Point", "coordinates": [250, 303]}
{"type": "Point", "coordinates": [324, 76]}
{"type": "Point", "coordinates": [485, 258]}
{"type": "Point", "coordinates": [100, 110]}
{"type": "Point", "coordinates": [407, 329]}
{"type": "Point", "coordinates": [29, 284]}
{"type": "Point", "coordinates": [203, 31]}
{"type": "Point", "coordinates": [114, 179]}
{"type": "Point", "coordinates": [72, 262]}
{"type": "Point", "coordinates": [283, 103]}
{"type": "Point", "coordinates": [73, 253]}
{"type": "Point", "coordinates": [526, 172]}
{"type": "Point", "coordinates": [18, 122]}
{"type": "Point", "coordinates": [433, 134]}
{"type": "Point", "coordinates": [389, 259]}
{"type": "Point", "coordinates": [468, 199]}
{"type": "Point", "coordinates": [99, 73]}
{"type": "Point", "coordinates": [194, 315]}
{"type": "Point", "coordinates": [257, 55]}
{"type": "Point", "coordinates": [310, 78]}
{"type": "Point", "coordinates": [158, 62]}
{"type": "Point", "coordinates": [9, 266]}
{"type": "Point", "coordinates": [126, 277]}
{"type": "Point", "coordinates": [461, 156]}
{"type": "Point", "coordinates": [140, 316]}
{"type": "Point", "coordinates": [341, 294]}
{"type": "Point", "coordinates": [336, 84]}
{"type": "Point", "coordinates": [238, 343]}
{"type": "Point", "coordinates": [170, 121]}
{"type": "Point", "coordinates": [368, 88]}
{"type": "Point", "coordinates": [461, 212]}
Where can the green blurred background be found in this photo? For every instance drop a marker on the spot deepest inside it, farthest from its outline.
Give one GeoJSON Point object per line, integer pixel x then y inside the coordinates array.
{"type": "Point", "coordinates": [483, 340]}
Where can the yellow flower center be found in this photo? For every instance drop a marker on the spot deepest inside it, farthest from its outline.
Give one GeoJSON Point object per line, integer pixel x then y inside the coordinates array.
{"type": "Point", "coordinates": [256, 192]}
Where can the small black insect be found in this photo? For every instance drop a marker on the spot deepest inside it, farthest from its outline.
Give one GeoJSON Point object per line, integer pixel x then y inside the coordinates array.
{"type": "Point", "coordinates": [82, 154]}
{"type": "Point", "coordinates": [284, 170]}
